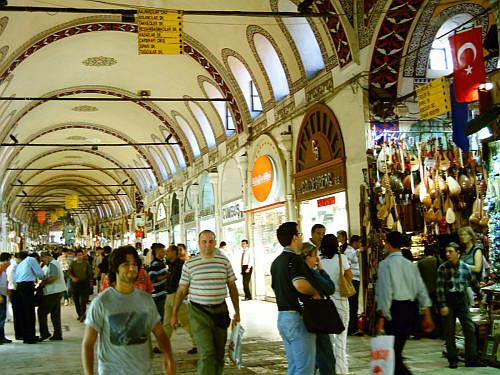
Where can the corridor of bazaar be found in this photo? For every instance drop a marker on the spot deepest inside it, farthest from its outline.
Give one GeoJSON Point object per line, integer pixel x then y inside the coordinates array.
{"type": "Point", "coordinates": [124, 123]}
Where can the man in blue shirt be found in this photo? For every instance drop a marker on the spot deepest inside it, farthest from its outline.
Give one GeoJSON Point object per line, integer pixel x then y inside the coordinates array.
{"type": "Point", "coordinates": [398, 287]}
{"type": "Point", "coordinates": [454, 276]}
{"type": "Point", "coordinates": [26, 273]}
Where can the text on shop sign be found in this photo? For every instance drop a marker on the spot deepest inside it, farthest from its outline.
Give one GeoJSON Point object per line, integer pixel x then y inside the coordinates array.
{"type": "Point", "coordinates": [328, 201]}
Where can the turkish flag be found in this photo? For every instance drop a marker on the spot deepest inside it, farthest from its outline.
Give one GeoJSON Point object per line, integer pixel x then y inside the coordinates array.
{"type": "Point", "coordinates": [468, 63]}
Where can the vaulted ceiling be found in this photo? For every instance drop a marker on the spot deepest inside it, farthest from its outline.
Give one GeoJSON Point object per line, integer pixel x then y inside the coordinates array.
{"type": "Point", "coordinates": [62, 135]}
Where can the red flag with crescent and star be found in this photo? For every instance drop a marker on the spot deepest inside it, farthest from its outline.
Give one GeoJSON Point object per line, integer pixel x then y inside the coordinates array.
{"type": "Point", "coordinates": [468, 64]}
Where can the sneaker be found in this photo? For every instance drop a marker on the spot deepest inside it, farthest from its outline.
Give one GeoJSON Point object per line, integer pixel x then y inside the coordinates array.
{"type": "Point", "coordinates": [453, 364]}
{"type": "Point", "coordinates": [44, 337]}
{"type": "Point", "coordinates": [156, 350]}
{"type": "Point", "coordinates": [358, 333]}
{"type": "Point", "coordinates": [82, 318]}
{"type": "Point", "coordinates": [53, 338]}
{"type": "Point", "coordinates": [193, 350]}
{"type": "Point", "coordinates": [5, 341]}
{"type": "Point", "coordinates": [66, 303]}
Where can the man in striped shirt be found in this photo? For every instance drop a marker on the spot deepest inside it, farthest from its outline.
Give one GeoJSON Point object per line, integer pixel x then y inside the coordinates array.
{"type": "Point", "coordinates": [157, 272]}
{"type": "Point", "coordinates": [207, 277]}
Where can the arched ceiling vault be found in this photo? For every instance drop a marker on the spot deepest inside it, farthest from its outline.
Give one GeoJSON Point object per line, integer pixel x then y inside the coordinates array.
{"type": "Point", "coordinates": [49, 58]}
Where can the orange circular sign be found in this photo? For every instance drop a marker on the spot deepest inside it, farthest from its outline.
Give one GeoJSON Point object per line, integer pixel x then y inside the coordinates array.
{"type": "Point", "coordinates": [262, 178]}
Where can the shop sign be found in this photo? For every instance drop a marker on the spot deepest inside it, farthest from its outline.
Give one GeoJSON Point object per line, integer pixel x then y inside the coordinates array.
{"type": "Point", "coordinates": [160, 31]}
{"type": "Point", "coordinates": [161, 212]}
{"type": "Point", "coordinates": [189, 217]}
{"type": "Point", "coordinates": [207, 211]}
{"type": "Point", "coordinates": [139, 232]}
{"type": "Point", "coordinates": [328, 201]}
{"type": "Point", "coordinates": [40, 216]}
{"type": "Point", "coordinates": [319, 182]}
{"type": "Point", "coordinates": [262, 178]}
{"type": "Point", "coordinates": [232, 211]}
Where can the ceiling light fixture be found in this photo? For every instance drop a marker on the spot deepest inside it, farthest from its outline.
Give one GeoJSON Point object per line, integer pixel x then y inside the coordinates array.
{"type": "Point", "coordinates": [124, 182]}
{"type": "Point", "coordinates": [14, 139]}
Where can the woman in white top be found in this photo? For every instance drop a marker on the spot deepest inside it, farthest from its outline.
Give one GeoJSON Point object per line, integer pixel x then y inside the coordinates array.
{"type": "Point", "coordinates": [330, 260]}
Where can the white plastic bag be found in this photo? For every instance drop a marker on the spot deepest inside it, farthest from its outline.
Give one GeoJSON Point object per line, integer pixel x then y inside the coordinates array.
{"type": "Point", "coordinates": [235, 344]}
{"type": "Point", "coordinates": [382, 361]}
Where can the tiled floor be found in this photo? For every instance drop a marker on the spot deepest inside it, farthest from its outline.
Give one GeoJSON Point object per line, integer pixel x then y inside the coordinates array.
{"type": "Point", "coordinates": [263, 351]}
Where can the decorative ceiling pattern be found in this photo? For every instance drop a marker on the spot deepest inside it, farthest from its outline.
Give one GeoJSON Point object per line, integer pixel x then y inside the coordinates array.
{"type": "Point", "coordinates": [74, 82]}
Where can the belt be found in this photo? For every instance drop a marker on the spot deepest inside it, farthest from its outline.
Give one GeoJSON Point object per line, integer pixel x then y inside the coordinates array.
{"type": "Point", "coordinates": [25, 282]}
{"type": "Point", "coordinates": [207, 306]}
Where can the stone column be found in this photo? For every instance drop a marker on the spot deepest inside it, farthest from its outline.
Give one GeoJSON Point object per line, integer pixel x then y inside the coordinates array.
{"type": "Point", "coordinates": [286, 144]}
{"type": "Point", "coordinates": [3, 233]}
{"type": "Point", "coordinates": [242, 161]}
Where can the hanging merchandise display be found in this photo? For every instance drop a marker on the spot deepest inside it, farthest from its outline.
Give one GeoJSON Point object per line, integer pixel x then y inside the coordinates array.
{"type": "Point", "coordinates": [424, 186]}
{"type": "Point", "coordinates": [492, 204]}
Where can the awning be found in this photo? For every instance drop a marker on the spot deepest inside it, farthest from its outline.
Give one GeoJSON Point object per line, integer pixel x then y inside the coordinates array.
{"type": "Point", "coordinates": [484, 119]}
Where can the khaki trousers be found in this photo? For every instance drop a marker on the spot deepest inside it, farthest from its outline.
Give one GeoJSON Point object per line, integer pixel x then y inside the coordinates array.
{"type": "Point", "coordinates": [182, 315]}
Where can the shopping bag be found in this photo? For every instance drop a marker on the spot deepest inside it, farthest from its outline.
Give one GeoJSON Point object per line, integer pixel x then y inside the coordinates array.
{"type": "Point", "coordinates": [382, 361]}
{"type": "Point", "coordinates": [235, 344]}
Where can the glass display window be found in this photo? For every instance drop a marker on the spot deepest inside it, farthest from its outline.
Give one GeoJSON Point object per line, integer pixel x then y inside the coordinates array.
{"type": "Point", "coordinates": [331, 211]}
{"type": "Point", "coordinates": [266, 247]}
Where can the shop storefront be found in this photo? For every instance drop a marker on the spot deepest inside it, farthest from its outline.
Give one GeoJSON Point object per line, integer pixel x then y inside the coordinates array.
{"type": "Point", "coordinates": [191, 233]}
{"type": "Point", "coordinates": [207, 205]}
{"type": "Point", "coordinates": [320, 178]}
{"type": "Point", "coordinates": [174, 220]}
{"type": "Point", "coordinates": [161, 225]}
{"type": "Point", "coordinates": [267, 210]}
{"type": "Point", "coordinates": [233, 218]}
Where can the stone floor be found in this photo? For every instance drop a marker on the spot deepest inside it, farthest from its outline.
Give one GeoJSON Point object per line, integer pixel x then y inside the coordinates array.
{"type": "Point", "coordinates": [263, 351]}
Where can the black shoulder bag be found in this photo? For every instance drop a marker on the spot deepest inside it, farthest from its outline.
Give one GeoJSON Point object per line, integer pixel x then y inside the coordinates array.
{"type": "Point", "coordinates": [320, 315]}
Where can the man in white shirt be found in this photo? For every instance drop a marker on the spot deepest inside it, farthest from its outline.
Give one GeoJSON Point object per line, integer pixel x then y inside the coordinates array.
{"type": "Point", "coordinates": [54, 288]}
{"type": "Point", "coordinates": [317, 233]}
{"type": "Point", "coordinates": [246, 268]}
{"type": "Point", "coordinates": [352, 251]}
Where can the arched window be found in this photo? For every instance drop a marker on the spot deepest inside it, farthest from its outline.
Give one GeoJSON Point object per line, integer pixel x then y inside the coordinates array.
{"type": "Point", "coordinates": [220, 107]}
{"type": "Point", "coordinates": [160, 164]}
{"type": "Point", "coordinates": [176, 149]}
{"type": "Point", "coordinates": [189, 135]}
{"type": "Point", "coordinates": [166, 155]}
{"type": "Point", "coordinates": [204, 124]}
{"type": "Point", "coordinates": [244, 80]}
{"type": "Point", "coordinates": [440, 58]}
{"type": "Point", "coordinates": [304, 39]}
{"type": "Point", "coordinates": [272, 65]}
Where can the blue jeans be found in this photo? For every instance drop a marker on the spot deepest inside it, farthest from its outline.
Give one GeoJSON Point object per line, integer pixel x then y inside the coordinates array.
{"type": "Point", "coordinates": [459, 308]}
{"type": "Point", "coordinates": [3, 315]}
{"type": "Point", "coordinates": [300, 344]}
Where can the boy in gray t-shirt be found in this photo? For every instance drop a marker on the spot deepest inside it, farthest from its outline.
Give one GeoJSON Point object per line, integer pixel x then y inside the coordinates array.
{"type": "Point", "coordinates": [121, 319]}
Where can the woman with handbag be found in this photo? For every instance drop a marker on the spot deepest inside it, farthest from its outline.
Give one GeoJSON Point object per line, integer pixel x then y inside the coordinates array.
{"type": "Point", "coordinates": [333, 262]}
{"type": "Point", "coordinates": [325, 359]}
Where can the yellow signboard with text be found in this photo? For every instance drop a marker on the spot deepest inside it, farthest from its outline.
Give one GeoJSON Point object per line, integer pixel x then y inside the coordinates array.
{"type": "Point", "coordinates": [71, 201]}
{"type": "Point", "coordinates": [434, 98]}
{"type": "Point", "coordinates": [160, 32]}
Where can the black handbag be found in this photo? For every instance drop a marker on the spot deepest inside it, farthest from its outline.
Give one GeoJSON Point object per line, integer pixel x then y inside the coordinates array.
{"type": "Point", "coordinates": [321, 316]}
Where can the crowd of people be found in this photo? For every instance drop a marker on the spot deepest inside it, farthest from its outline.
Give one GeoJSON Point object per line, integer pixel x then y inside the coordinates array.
{"type": "Point", "coordinates": [430, 295]}
{"type": "Point", "coordinates": [161, 289]}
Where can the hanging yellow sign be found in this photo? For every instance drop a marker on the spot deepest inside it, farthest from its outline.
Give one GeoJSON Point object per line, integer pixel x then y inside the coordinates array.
{"type": "Point", "coordinates": [434, 98]}
{"type": "Point", "coordinates": [71, 201]}
{"type": "Point", "coordinates": [53, 216]}
{"type": "Point", "coordinates": [160, 32]}
{"type": "Point", "coordinates": [59, 212]}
